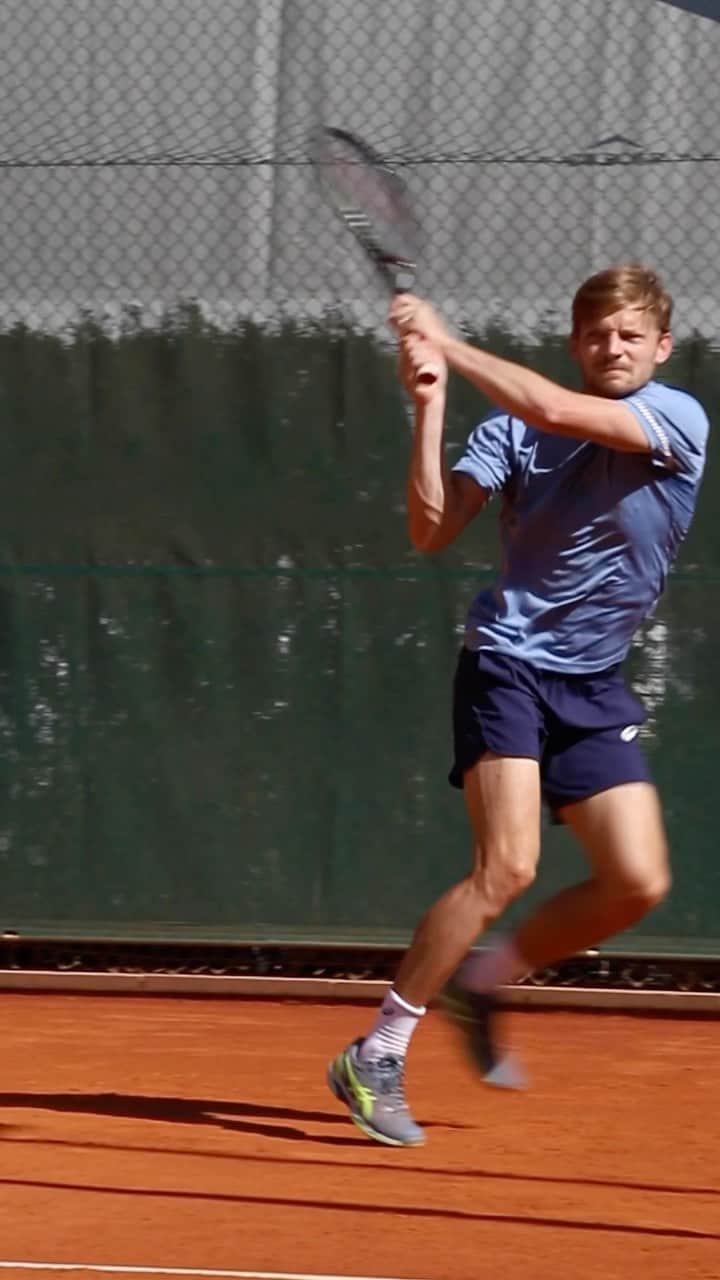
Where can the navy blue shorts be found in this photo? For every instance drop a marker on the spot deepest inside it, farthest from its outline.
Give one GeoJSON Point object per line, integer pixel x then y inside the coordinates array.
{"type": "Point", "coordinates": [583, 729]}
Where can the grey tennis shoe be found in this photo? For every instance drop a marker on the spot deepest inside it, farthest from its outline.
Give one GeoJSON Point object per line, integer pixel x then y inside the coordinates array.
{"type": "Point", "coordinates": [373, 1091]}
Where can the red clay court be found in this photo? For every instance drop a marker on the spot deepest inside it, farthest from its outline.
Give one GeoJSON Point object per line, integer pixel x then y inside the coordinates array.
{"type": "Point", "coordinates": [149, 1136]}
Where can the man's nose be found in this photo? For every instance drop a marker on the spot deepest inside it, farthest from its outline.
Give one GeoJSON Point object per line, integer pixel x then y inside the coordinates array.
{"type": "Point", "coordinates": [613, 345]}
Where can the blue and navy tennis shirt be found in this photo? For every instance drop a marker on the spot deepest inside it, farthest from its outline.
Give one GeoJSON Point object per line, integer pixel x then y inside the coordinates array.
{"type": "Point", "coordinates": [588, 533]}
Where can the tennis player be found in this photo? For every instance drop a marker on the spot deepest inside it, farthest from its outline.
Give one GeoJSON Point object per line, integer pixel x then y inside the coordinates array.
{"type": "Point", "coordinates": [597, 490]}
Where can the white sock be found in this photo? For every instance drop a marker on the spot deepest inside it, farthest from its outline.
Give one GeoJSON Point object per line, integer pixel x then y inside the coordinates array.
{"type": "Point", "coordinates": [390, 1034]}
{"type": "Point", "coordinates": [486, 970]}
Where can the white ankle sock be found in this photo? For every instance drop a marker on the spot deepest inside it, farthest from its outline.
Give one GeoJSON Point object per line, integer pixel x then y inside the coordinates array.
{"type": "Point", "coordinates": [390, 1033]}
{"type": "Point", "coordinates": [483, 971]}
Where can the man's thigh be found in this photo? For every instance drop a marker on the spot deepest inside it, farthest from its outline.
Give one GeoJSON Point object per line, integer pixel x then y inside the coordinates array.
{"type": "Point", "coordinates": [502, 798]}
{"type": "Point", "coordinates": [622, 833]}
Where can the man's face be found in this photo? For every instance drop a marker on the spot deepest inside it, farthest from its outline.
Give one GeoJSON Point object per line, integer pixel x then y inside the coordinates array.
{"type": "Point", "coordinates": [618, 353]}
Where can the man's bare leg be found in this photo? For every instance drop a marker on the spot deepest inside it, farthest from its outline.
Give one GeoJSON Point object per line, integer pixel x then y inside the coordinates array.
{"type": "Point", "coordinates": [502, 797]}
{"type": "Point", "coordinates": [503, 801]}
{"type": "Point", "coordinates": [622, 834]}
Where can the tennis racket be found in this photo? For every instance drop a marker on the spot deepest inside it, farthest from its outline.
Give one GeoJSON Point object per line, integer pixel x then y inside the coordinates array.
{"type": "Point", "coordinates": [372, 202]}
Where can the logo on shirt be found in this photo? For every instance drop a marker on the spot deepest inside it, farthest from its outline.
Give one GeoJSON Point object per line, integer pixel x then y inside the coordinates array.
{"type": "Point", "coordinates": [630, 732]}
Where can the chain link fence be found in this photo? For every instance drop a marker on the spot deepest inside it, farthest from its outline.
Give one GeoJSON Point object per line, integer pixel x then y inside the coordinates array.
{"type": "Point", "coordinates": [156, 151]}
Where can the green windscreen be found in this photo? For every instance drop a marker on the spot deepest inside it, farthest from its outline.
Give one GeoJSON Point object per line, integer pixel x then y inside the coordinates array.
{"type": "Point", "coordinates": [226, 677]}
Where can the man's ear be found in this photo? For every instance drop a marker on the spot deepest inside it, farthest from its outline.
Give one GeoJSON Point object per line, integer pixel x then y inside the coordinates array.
{"type": "Point", "coordinates": [665, 346]}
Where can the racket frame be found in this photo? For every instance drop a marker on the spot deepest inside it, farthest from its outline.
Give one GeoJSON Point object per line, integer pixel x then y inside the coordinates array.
{"type": "Point", "coordinates": [396, 271]}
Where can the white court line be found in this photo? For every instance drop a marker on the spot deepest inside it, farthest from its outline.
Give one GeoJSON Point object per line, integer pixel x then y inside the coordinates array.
{"type": "Point", "coordinates": [177, 1271]}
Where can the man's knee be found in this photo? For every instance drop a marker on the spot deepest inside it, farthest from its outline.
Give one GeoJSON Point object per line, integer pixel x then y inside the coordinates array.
{"type": "Point", "coordinates": [640, 893]}
{"type": "Point", "coordinates": [502, 874]}
{"type": "Point", "coordinates": [650, 890]}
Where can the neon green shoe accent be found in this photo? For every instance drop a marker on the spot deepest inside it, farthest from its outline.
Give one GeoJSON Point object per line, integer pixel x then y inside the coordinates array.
{"type": "Point", "coordinates": [364, 1096]}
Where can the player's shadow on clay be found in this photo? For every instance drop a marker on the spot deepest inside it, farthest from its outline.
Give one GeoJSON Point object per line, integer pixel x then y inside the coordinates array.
{"type": "Point", "coordinates": [242, 1117]}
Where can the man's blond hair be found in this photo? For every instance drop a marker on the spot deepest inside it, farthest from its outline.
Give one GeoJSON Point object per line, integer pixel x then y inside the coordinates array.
{"type": "Point", "coordinates": [628, 285]}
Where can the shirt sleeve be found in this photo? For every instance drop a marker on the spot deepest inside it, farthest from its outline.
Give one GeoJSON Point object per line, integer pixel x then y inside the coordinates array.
{"type": "Point", "coordinates": [675, 424]}
{"type": "Point", "coordinates": [488, 454]}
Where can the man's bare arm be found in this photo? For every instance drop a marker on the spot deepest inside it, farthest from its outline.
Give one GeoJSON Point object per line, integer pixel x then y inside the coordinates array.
{"type": "Point", "coordinates": [545, 404]}
{"type": "Point", "coordinates": [440, 502]}
{"type": "Point", "coordinates": [522, 392]}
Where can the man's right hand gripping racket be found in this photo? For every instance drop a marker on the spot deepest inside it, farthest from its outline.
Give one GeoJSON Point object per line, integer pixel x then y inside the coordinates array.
{"type": "Point", "coordinates": [372, 201]}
